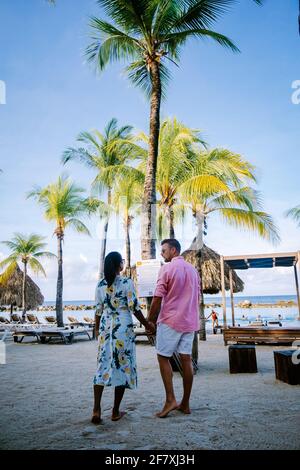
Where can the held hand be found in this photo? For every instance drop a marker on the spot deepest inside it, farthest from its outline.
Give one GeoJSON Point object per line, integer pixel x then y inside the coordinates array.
{"type": "Point", "coordinates": [150, 328]}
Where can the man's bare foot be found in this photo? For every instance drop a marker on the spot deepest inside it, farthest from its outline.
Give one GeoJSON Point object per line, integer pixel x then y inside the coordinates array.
{"type": "Point", "coordinates": [184, 409]}
{"type": "Point", "coordinates": [117, 416]}
{"type": "Point", "coordinates": [168, 407]}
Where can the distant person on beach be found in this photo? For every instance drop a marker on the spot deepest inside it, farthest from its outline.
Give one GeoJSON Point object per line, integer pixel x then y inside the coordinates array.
{"type": "Point", "coordinates": [214, 317]}
{"type": "Point", "coordinates": [175, 309]}
{"type": "Point", "coordinates": [116, 301]}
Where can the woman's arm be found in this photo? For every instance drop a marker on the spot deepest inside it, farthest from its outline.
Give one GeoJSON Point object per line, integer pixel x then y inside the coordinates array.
{"type": "Point", "coordinates": [97, 324]}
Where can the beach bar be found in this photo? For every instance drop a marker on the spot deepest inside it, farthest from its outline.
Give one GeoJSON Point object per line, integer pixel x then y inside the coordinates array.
{"type": "Point", "coordinates": [269, 260]}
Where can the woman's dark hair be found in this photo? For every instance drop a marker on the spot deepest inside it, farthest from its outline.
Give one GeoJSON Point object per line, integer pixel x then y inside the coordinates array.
{"type": "Point", "coordinates": [111, 266]}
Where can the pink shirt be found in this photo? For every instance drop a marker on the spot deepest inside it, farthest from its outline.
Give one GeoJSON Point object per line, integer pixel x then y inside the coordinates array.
{"type": "Point", "coordinates": [179, 285]}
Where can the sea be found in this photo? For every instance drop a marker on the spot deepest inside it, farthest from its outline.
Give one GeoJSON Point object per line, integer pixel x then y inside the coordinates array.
{"type": "Point", "coordinates": [286, 315]}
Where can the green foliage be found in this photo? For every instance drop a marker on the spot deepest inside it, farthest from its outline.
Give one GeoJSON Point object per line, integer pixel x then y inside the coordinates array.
{"type": "Point", "coordinates": [294, 213]}
{"type": "Point", "coordinates": [27, 250]}
{"type": "Point", "coordinates": [63, 203]}
{"type": "Point", "coordinates": [142, 32]}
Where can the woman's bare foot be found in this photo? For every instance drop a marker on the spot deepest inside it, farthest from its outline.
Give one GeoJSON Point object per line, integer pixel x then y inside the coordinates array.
{"type": "Point", "coordinates": [168, 407]}
{"type": "Point", "coordinates": [96, 417]}
{"type": "Point", "coordinates": [184, 409]}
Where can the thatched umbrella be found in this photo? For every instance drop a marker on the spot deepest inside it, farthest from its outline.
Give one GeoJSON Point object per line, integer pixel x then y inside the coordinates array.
{"type": "Point", "coordinates": [207, 263]}
{"type": "Point", "coordinates": [11, 291]}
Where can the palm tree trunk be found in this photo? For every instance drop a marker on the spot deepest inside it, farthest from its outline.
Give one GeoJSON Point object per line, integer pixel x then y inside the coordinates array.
{"type": "Point", "coordinates": [170, 216]}
{"type": "Point", "coordinates": [202, 331]}
{"type": "Point", "coordinates": [197, 245]}
{"type": "Point", "coordinates": [128, 250]}
{"type": "Point", "coordinates": [24, 293]}
{"type": "Point", "coordinates": [148, 250]}
{"type": "Point", "coordinates": [59, 289]}
{"type": "Point", "coordinates": [104, 240]}
{"type": "Point", "coordinates": [103, 249]}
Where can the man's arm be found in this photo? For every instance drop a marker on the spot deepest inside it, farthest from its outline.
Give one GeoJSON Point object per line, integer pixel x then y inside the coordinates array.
{"type": "Point", "coordinates": [149, 326]}
{"type": "Point", "coordinates": [154, 309]}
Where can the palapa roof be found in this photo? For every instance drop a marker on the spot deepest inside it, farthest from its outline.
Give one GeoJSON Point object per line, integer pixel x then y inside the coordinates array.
{"type": "Point", "coordinates": [11, 291]}
{"type": "Point", "coordinates": [207, 263]}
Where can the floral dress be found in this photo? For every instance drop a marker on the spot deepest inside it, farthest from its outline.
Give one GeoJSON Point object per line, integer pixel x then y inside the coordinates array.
{"type": "Point", "coordinates": [116, 341]}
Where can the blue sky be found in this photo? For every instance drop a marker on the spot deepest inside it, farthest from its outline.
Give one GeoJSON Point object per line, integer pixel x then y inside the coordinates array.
{"type": "Point", "coordinates": [240, 101]}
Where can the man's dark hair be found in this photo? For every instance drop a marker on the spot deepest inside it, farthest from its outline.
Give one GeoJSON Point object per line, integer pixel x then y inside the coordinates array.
{"type": "Point", "coordinates": [172, 242]}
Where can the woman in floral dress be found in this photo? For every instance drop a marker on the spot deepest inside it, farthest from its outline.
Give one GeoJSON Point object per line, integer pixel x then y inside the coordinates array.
{"type": "Point", "coordinates": [116, 301]}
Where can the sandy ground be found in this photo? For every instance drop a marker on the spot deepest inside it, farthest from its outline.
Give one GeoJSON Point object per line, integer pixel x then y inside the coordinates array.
{"type": "Point", "coordinates": [46, 400]}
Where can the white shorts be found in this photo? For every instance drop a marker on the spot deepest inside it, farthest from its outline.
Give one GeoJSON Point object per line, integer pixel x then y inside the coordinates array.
{"type": "Point", "coordinates": [169, 341]}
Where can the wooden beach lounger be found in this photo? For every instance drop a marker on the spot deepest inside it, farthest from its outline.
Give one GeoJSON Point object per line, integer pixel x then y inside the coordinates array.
{"type": "Point", "coordinates": [261, 335]}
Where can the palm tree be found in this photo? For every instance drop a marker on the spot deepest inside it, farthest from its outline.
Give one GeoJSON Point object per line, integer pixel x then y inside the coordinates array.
{"type": "Point", "coordinates": [63, 203]}
{"type": "Point", "coordinates": [294, 213]}
{"type": "Point", "coordinates": [27, 250]}
{"type": "Point", "coordinates": [127, 199]}
{"type": "Point", "coordinates": [218, 183]}
{"type": "Point", "coordinates": [175, 154]}
{"type": "Point", "coordinates": [106, 153]}
{"type": "Point", "coordinates": [147, 34]}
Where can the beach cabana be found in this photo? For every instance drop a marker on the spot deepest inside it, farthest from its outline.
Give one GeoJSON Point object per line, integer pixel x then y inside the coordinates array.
{"type": "Point", "coordinates": [208, 264]}
{"type": "Point", "coordinates": [269, 260]}
{"type": "Point", "coordinates": [11, 291]}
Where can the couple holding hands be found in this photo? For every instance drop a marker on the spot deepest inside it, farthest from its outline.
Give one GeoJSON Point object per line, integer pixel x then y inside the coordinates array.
{"type": "Point", "coordinates": [173, 316]}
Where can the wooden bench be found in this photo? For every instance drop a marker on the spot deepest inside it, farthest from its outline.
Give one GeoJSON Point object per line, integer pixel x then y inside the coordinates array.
{"type": "Point", "coordinates": [261, 335]}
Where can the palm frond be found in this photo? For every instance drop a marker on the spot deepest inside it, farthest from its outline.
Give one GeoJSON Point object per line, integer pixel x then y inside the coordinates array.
{"type": "Point", "coordinates": [294, 213]}
{"type": "Point", "coordinates": [256, 221]}
{"type": "Point", "coordinates": [203, 186]}
{"type": "Point", "coordinates": [6, 275]}
{"type": "Point", "coordinates": [174, 40]}
{"type": "Point", "coordinates": [139, 75]}
{"type": "Point", "coordinates": [36, 266]}
{"type": "Point", "coordinates": [78, 226]}
{"type": "Point", "coordinates": [245, 197]}
{"type": "Point", "coordinates": [110, 44]}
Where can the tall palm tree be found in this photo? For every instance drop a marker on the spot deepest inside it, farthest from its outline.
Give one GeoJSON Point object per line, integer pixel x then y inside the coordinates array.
{"type": "Point", "coordinates": [26, 249]}
{"type": "Point", "coordinates": [175, 154]}
{"type": "Point", "coordinates": [147, 34]}
{"type": "Point", "coordinates": [63, 204]}
{"type": "Point", "coordinates": [294, 213]}
{"type": "Point", "coordinates": [127, 199]}
{"type": "Point", "coordinates": [218, 183]}
{"type": "Point", "coordinates": [106, 153]}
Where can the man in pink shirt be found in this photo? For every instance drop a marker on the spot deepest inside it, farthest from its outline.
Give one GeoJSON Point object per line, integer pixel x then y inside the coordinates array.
{"type": "Point", "coordinates": [175, 309]}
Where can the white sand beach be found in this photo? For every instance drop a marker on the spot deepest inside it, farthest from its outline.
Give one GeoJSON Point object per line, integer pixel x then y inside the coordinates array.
{"type": "Point", "coordinates": [46, 400]}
